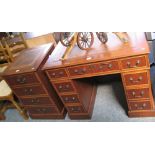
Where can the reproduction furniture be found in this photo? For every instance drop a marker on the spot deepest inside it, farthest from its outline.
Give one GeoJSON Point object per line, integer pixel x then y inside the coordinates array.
{"type": "Point", "coordinates": [6, 94]}
{"type": "Point", "coordinates": [31, 86]}
{"type": "Point", "coordinates": [73, 80]}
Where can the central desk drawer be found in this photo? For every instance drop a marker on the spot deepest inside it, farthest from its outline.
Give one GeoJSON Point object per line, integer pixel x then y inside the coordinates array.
{"type": "Point", "coordinates": [63, 87]}
{"type": "Point", "coordinates": [80, 70]}
{"type": "Point", "coordinates": [133, 62]}
{"type": "Point", "coordinates": [29, 78]}
{"type": "Point", "coordinates": [138, 93]}
{"type": "Point", "coordinates": [42, 110]}
{"type": "Point", "coordinates": [36, 101]}
{"type": "Point", "coordinates": [106, 66]}
{"type": "Point", "coordinates": [30, 90]}
{"type": "Point", "coordinates": [136, 78]}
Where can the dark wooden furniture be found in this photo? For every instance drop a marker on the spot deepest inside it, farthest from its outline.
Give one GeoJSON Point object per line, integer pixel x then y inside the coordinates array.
{"type": "Point", "coordinates": [31, 85]}
{"type": "Point", "coordinates": [73, 82]}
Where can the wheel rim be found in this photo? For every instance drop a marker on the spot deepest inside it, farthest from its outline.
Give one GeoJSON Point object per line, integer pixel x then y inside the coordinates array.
{"type": "Point", "coordinates": [65, 38]}
{"type": "Point", "coordinates": [85, 40]}
{"type": "Point", "coordinates": [102, 36]}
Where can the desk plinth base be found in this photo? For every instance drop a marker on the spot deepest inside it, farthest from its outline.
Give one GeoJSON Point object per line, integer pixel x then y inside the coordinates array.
{"type": "Point", "coordinates": [87, 115]}
{"type": "Point", "coordinates": [62, 115]}
{"type": "Point", "coordinates": [142, 113]}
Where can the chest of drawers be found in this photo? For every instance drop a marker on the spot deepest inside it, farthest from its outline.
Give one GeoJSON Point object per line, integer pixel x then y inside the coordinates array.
{"type": "Point", "coordinates": [30, 84]}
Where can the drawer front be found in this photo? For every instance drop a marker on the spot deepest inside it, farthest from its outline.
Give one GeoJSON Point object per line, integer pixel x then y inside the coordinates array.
{"type": "Point", "coordinates": [29, 91]}
{"type": "Point", "coordinates": [75, 109]}
{"type": "Point", "coordinates": [133, 62]}
{"type": "Point", "coordinates": [138, 93]}
{"type": "Point", "coordinates": [136, 78]}
{"type": "Point", "coordinates": [42, 110]}
{"type": "Point", "coordinates": [29, 78]}
{"type": "Point", "coordinates": [142, 105]}
{"type": "Point", "coordinates": [70, 98]}
{"type": "Point", "coordinates": [56, 73]}
{"type": "Point", "coordinates": [63, 87]}
{"type": "Point", "coordinates": [80, 70]}
{"type": "Point", "coordinates": [36, 101]}
{"type": "Point", "coordinates": [107, 66]}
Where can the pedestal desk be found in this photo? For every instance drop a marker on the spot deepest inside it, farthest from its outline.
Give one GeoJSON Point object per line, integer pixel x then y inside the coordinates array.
{"type": "Point", "coordinates": [30, 84]}
{"type": "Point", "coordinates": [73, 81]}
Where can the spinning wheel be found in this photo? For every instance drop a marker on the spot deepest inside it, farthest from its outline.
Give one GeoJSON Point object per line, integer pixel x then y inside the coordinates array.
{"type": "Point", "coordinates": [102, 36]}
{"type": "Point", "coordinates": [66, 38]}
{"type": "Point", "coordinates": [85, 40]}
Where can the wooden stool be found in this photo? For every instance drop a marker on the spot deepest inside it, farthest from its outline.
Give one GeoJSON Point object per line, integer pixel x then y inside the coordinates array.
{"type": "Point", "coordinates": [7, 94]}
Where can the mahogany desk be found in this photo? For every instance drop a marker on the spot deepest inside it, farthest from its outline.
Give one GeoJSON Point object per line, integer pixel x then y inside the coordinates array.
{"type": "Point", "coordinates": [73, 82]}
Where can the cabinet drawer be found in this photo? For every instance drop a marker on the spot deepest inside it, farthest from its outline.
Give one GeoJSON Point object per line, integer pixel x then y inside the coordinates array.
{"type": "Point", "coordinates": [106, 66]}
{"type": "Point", "coordinates": [42, 110]}
{"type": "Point", "coordinates": [138, 93]}
{"type": "Point", "coordinates": [134, 62]}
{"type": "Point", "coordinates": [136, 78]}
{"type": "Point", "coordinates": [36, 101]}
{"type": "Point", "coordinates": [56, 73]}
{"type": "Point", "coordinates": [141, 105]}
{"type": "Point", "coordinates": [80, 70]}
{"type": "Point", "coordinates": [75, 109]}
{"type": "Point", "coordinates": [29, 91]}
{"type": "Point", "coordinates": [70, 98]}
{"type": "Point", "coordinates": [29, 78]}
{"type": "Point", "coordinates": [64, 87]}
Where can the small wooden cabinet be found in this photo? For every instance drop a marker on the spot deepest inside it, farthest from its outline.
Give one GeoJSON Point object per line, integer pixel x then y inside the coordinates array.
{"type": "Point", "coordinates": [30, 84]}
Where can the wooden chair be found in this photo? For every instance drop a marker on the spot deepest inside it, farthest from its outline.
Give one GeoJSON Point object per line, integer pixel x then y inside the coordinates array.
{"type": "Point", "coordinates": [14, 44]}
{"type": "Point", "coordinates": [6, 94]}
{"type": "Point", "coordinates": [4, 59]}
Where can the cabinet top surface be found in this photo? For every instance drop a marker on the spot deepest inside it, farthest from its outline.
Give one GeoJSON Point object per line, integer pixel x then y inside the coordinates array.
{"type": "Point", "coordinates": [28, 60]}
{"type": "Point", "coordinates": [113, 49]}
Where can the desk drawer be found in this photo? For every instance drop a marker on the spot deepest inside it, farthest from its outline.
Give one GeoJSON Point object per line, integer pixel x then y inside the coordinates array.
{"type": "Point", "coordinates": [133, 62]}
{"type": "Point", "coordinates": [29, 78]}
{"type": "Point", "coordinates": [106, 66]}
{"type": "Point", "coordinates": [63, 87]}
{"type": "Point", "coordinates": [36, 101]}
{"type": "Point", "coordinates": [139, 105]}
{"type": "Point", "coordinates": [56, 73]}
{"type": "Point", "coordinates": [42, 110]}
{"type": "Point", "coordinates": [138, 93]}
{"type": "Point", "coordinates": [70, 98]}
{"type": "Point", "coordinates": [136, 78]}
{"type": "Point", "coordinates": [30, 90]}
{"type": "Point", "coordinates": [80, 70]}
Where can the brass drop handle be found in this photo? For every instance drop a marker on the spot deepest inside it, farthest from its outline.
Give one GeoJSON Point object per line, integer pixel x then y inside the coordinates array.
{"type": "Point", "coordinates": [53, 74]}
{"type": "Point", "coordinates": [110, 66]}
{"type": "Point", "coordinates": [66, 98]}
{"type": "Point", "coordinates": [60, 87]}
{"type": "Point", "coordinates": [76, 71]}
{"type": "Point", "coordinates": [73, 98]}
{"type": "Point", "coordinates": [67, 86]}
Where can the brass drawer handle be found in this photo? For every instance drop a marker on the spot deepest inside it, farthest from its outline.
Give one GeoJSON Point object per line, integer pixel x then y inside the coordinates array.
{"type": "Point", "coordinates": [61, 73]}
{"type": "Point", "coordinates": [140, 107]}
{"type": "Point", "coordinates": [53, 74]}
{"type": "Point", "coordinates": [60, 87]}
{"type": "Point", "coordinates": [35, 101]}
{"type": "Point", "coordinates": [28, 91]}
